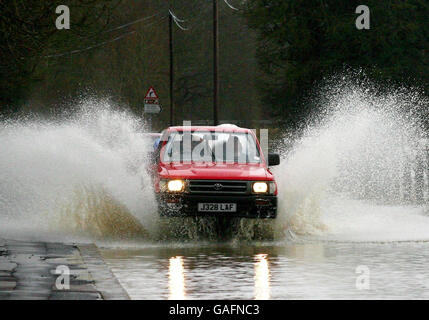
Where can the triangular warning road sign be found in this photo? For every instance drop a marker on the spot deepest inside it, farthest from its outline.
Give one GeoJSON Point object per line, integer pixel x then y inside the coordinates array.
{"type": "Point", "coordinates": [151, 94]}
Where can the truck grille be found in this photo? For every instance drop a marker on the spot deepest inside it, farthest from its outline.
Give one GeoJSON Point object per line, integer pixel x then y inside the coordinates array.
{"type": "Point", "coordinates": [217, 187]}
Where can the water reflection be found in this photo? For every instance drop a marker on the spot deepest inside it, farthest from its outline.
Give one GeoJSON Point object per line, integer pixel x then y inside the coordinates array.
{"type": "Point", "coordinates": [262, 277]}
{"type": "Point", "coordinates": [290, 271]}
{"type": "Point", "coordinates": [176, 277]}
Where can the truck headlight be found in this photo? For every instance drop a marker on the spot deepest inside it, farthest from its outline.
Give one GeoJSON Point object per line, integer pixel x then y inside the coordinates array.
{"type": "Point", "coordinates": [260, 187]}
{"type": "Point", "coordinates": [175, 185]}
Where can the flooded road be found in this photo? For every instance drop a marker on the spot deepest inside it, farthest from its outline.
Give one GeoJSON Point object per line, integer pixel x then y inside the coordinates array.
{"type": "Point", "coordinates": [311, 270]}
{"type": "Point", "coordinates": [355, 181]}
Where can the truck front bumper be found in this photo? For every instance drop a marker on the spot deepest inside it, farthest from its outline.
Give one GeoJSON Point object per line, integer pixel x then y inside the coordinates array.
{"type": "Point", "coordinates": [248, 206]}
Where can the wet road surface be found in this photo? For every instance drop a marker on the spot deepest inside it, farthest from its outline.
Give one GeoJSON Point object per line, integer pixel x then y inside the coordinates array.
{"type": "Point", "coordinates": [312, 270]}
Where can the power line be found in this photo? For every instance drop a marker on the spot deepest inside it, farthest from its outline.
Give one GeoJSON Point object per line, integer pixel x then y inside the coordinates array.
{"type": "Point", "coordinates": [90, 47]}
{"type": "Point", "coordinates": [174, 16]}
{"type": "Point", "coordinates": [229, 5]}
{"type": "Point", "coordinates": [132, 22]}
{"type": "Point", "coordinates": [123, 26]}
{"type": "Point", "coordinates": [104, 42]}
{"type": "Point", "coordinates": [177, 20]}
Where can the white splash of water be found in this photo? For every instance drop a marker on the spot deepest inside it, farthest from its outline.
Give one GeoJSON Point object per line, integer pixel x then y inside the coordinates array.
{"type": "Point", "coordinates": [43, 163]}
{"type": "Point", "coordinates": [352, 174]}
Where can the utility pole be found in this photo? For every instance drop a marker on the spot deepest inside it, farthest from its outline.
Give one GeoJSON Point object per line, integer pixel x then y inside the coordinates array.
{"type": "Point", "coordinates": [170, 31]}
{"type": "Point", "coordinates": [215, 63]}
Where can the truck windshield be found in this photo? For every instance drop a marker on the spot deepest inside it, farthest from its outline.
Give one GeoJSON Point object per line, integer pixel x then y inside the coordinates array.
{"type": "Point", "coordinates": [211, 146]}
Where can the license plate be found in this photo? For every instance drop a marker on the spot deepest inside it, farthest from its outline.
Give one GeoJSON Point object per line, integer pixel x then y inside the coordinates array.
{"type": "Point", "coordinates": [217, 207]}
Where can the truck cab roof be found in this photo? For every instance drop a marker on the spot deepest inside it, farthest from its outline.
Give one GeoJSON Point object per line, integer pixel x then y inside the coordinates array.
{"type": "Point", "coordinates": [219, 128]}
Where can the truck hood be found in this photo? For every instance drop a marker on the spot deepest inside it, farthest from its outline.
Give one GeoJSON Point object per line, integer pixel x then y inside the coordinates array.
{"type": "Point", "coordinates": [222, 171]}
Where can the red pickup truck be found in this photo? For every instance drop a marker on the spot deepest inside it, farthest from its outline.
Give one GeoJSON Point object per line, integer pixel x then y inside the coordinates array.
{"type": "Point", "coordinates": [213, 170]}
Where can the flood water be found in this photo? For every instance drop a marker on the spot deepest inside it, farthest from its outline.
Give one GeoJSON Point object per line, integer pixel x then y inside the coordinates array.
{"type": "Point", "coordinates": [310, 270]}
{"type": "Point", "coordinates": [353, 190]}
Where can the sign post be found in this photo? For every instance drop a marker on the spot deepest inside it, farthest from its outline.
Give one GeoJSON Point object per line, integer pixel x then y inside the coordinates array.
{"type": "Point", "coordinates": [151, 103]}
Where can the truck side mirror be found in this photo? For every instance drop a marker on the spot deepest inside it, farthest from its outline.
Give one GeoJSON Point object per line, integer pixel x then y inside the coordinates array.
{"type": "Point", "coordinates": [273, 159]}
